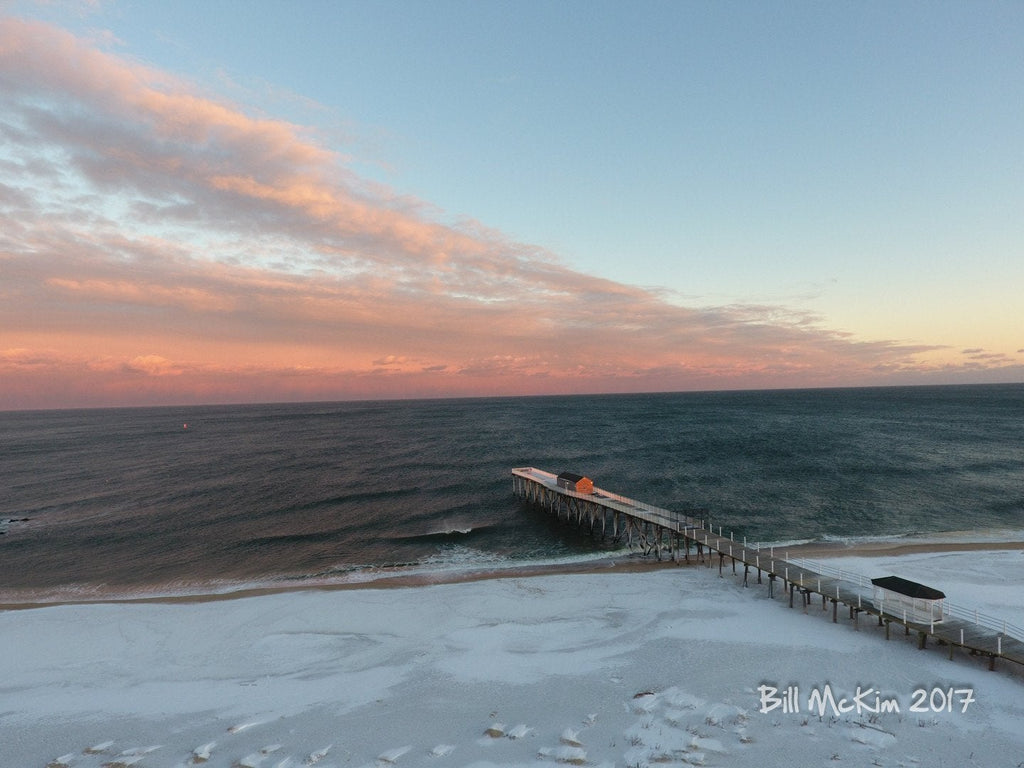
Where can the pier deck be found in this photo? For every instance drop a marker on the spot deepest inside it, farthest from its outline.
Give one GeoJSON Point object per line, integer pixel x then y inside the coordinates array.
{"type": "Point", "coordinates": [659, 531]}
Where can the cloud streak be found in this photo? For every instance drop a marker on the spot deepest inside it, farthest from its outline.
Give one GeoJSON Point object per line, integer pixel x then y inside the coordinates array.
{"type": "Point", "coordinates": [160, 245]}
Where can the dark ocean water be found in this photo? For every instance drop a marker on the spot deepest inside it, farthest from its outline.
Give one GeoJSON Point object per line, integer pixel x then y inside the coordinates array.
{"type": "Point", "coordinates": [130, 501]}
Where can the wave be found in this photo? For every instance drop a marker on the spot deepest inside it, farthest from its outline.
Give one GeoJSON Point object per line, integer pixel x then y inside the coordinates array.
{"type": "Point", "coordinates": [444, 534]}
{"type": "Point", "coordinates": [973, 536]}
{"type": "Point", "coordinates": [453, 563]}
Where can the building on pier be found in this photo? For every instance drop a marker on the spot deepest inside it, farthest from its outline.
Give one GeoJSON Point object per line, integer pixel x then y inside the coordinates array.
{"type": "Point", "coordinates": [573, 482]}
{"type": "Point", "coordinates": [658, 531]}
{"type": "Point", "coordinates": [902, 596]}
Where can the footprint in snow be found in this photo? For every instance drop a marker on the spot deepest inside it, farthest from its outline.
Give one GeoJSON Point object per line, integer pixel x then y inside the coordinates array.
{"type": "Point", "coordinates": [130, 757]}
{"type": "Point", "coordinates": [570, 738]}
{"type": "Point", "coordinates": [391, 756]}
{"type": "Point", "coordinates": [320, 754]}
{"type": "Point", "coordinates": [565, 754]}
{"type": "Point", "coordinates": [251, 761]}
{"type": "Point", "coordinates": [243, 727]}
{"type": "Point", "coordinates": [202, 754]}
{"type": "Point", "coordinates": [518, 732]}
{"type": "Point", "coordinates": [256, 758]}
{"type": "Point", "coordinates": [644, 703]}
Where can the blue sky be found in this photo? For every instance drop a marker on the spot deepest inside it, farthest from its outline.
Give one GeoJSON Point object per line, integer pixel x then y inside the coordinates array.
{"type": "Point", "coordinates": [728, 151]}
{"type": "Point", "coordinates": [854, 167]}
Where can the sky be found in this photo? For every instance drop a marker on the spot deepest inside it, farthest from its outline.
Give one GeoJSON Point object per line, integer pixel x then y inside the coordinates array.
{"type": "Point", "coordinates": [267, 201]}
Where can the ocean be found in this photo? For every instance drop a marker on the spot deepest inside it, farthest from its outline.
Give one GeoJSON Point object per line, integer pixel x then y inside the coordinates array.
{"type": "Point", "coordinates": [183, 500]}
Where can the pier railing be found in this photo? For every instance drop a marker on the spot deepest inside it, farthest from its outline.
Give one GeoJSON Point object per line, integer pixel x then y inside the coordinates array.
{"type": "Point", "coordinates": [858, 581]}
{"type": "Point", "coordinates": [657, 530]}
{"type": "Point", "coordinates": [676, 521]}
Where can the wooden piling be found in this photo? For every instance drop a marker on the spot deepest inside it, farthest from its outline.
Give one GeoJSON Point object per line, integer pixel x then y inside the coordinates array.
{"type": "Point", "coordinates": [654, 530]}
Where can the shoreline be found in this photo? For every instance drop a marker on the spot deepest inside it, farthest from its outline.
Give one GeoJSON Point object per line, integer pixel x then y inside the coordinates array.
{"type": "Point", "coordinates": [887, 548]}
{"type": "Point", "coordinates": [655, 667]}
{"type": "Point", "coordinates": [611, 564]}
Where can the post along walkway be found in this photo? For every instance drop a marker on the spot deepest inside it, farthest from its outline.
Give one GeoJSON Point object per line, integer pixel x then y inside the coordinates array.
{"type": "Point", "coordinates": [658, 531]}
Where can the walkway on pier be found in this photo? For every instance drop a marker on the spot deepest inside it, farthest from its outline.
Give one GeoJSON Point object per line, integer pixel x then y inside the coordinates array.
{"type": "Point", "coordinates": [656, 530]}
{"type": "Point", "coordinates": [618, 517]}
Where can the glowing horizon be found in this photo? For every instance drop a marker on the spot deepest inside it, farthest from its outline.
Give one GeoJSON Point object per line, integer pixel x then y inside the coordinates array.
{"type": "Point", "coordinates": [163, 245]}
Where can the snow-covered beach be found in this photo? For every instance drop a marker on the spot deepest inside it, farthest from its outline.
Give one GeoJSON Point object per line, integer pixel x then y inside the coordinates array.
{"type": "Point", "coordinates": [620, 666]}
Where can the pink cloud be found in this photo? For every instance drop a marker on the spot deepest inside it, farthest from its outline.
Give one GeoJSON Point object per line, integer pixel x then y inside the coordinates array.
{"type": "Point", "coordinates": [161, 245]}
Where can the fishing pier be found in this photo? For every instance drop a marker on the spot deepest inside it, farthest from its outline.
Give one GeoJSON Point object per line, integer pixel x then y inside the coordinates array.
{"type": "Point", "coordinates": [575, 500]}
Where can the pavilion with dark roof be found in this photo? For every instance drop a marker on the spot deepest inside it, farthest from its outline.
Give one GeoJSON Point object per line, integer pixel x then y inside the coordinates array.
{"type": "Point", "coordinates": [904, 598]}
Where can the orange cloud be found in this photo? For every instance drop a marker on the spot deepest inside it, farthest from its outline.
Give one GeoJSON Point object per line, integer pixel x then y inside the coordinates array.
{"type": "Point", "coordinates": [160, 245]}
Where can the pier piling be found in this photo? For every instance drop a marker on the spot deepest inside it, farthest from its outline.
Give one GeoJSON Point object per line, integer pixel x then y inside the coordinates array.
{"type": "Point", "coordinates": [653, 530]}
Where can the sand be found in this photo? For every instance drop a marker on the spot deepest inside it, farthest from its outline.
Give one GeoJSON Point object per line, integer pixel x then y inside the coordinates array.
{"type": "Point", "coordinates": [624, 663]}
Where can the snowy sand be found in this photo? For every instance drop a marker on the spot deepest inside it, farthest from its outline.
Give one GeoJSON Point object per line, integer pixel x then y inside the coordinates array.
{"type": "Point", "coordinates": [669, 666]}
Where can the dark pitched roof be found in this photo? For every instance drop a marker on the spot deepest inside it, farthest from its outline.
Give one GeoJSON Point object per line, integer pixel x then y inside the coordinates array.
{"type": "Point", "coordinates": [908, 588]}
{"type": "Point", "coordinates": [571, 477]}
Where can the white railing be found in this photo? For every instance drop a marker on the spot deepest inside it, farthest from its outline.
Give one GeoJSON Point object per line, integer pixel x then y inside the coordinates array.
{"type": "Point", "coordinates": [974, 616]}
{"type": "Point", "coordinates": [850, 577]}
{"type": "Point", "coordinates": [857, 581]}
{"type": "Point", "coordinates": [642, 509]}
{"type": "Point", "coordinates": [970, 615]}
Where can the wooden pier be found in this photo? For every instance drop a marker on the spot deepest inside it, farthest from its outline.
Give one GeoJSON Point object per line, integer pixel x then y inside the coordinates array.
{"type": "Point", "coordinates": [658, 531]}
